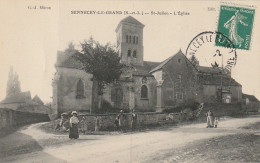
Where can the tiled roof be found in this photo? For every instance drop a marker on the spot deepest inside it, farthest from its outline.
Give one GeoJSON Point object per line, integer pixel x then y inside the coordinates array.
{"type": "Point", "coordinates": [252, 98]}
{"type": "Point", "coordinates": [217, 80]}
{"type": "Point", "coordinates": [37, 100]}
{"type": "Point", "coordinates": [165, 62]}
{"type": "Point", "coordinates": [209, 70]}
{"type": "Point", "coordinates": [67, 61]}
{"type": "Point", "coordinates": [131, 20]}
{"type": "Point", "coordinates": [17, 98]}
{"type": "Point", "coordinates": [145, 69]}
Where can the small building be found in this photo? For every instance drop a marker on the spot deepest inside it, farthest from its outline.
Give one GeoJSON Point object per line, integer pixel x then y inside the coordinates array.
{"type": "Point", "coordinates": [23, 102]}
{"type": "Point", "coordinates": [251, 102]}
{"type": "Point", "coordinates": [217, 86]}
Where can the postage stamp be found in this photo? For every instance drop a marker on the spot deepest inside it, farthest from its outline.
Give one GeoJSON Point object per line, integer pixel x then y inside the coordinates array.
{"type": "Point", "coordinates": [237, 24]}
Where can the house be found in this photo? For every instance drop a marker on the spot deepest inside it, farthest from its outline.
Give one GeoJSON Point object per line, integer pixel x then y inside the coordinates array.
{"type": "Point", "coordinates": [251, 102]}
{"type": "Point", "coordinates": [23, 102]}
{"type": "Point", "coordinates": [216, 86]}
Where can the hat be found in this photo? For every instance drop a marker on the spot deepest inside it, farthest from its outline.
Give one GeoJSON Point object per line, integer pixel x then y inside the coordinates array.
{"type": "Point", "coordinates": [74, 112]}
{"type": "Point", "coordinates": [121, 111]}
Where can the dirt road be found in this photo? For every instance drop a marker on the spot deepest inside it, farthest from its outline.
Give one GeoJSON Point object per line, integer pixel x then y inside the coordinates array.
{"type": "Point", "coordinates": [129, 147]}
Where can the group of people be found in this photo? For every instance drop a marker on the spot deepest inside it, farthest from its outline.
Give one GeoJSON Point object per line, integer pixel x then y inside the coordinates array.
{"type": "Point", "coordinates": [120, 123]}
{"type": "Point", "coordinates": [210, 122]}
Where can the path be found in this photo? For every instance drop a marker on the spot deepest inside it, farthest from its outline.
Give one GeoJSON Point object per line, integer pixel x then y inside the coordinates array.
{"type": "Point", "coordinates": [130, 147]}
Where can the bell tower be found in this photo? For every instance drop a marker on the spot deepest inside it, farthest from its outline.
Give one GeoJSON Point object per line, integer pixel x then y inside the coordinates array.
{"type": "Point", "coordinates": [129, 34]}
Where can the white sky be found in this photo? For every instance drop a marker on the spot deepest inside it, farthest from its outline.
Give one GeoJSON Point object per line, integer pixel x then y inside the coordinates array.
{"type": "Point", "coordinates": [30, 38]}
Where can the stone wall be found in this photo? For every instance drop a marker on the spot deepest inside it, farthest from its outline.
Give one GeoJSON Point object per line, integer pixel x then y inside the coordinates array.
{"type": "Point", "coordinates": [9, 118]}
{"type": "Point", "coordinates": [107, 121]}
{"type": "Point", "coordinates": [64, 90]}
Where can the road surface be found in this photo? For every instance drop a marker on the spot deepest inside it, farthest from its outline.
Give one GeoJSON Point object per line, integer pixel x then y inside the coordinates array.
{"type": "Point", "coordinates": [31, 144]}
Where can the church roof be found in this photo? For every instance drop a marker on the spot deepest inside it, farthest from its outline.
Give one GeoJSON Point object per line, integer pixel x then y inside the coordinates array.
{"type": "Point", "coordinates": [251, 98]}
{"type": "Point", "coordinates": [209, 70]}
{"type": "Point", "coordinates": [160, 66]}
{"type": "Point", "coordinates": [37, 99]}
{"type": "Point", "coordinates": [67, 61]}
{"type": "Point", "coordinates": [217, 80]}
{"type": "Point", "coordinates": [22, 97]}
{"type": "Point", "coordinates": [131, 20]}
{"type": "Point", "coordinates": [145, 69]}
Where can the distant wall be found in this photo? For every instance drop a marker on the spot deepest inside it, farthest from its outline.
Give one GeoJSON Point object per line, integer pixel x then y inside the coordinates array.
{"type": "Point", "coordinates": [9, 118]}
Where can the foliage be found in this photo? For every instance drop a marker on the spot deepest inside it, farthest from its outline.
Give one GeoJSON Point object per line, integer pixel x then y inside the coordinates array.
{"type": "Point", "coordinates": [106, 107]}
{"type": "Point", "coordinates": [13, 84]}
{"type": "Point", "coordinates": [192, 105]}
{"type": "Point", "coordinates": [194, 61]}
{"type": "Point", "coordinates": [102, 61]}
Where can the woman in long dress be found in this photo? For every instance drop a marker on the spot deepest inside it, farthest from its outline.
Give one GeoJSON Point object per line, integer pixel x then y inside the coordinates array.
{"type": "Point", "coordinates": [74, 133]}
{"type": "Point", "coordinates": [209, 119]}
{"type": "Point", "coordinates": [232, 25]}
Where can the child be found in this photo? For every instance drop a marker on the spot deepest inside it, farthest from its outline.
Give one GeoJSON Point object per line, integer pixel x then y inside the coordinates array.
{"type": "Point", "coordinates": [84, 126]}
{"type": "Point", "coordinates": [97, 124]}
{"type": "Point", "coordinates": [216, 122]}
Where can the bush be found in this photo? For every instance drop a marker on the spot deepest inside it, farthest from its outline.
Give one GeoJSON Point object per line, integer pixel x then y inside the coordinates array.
{"type": "Point", "coordinates": [193, 105]}
{"type": "Point", "coordinates": [106, 107]}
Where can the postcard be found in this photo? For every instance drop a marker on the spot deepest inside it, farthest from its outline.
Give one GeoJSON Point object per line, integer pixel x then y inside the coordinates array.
{"type": "Point", "coordinates": [129, 81]}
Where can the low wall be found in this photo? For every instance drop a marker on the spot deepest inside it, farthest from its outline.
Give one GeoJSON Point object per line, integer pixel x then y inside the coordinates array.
{"type": "Point", "coordinates": [9, 117]}
{"type": "Point", "coordinates": [107, 121]}
{"type": "Point", "coordinates": [219, 110]}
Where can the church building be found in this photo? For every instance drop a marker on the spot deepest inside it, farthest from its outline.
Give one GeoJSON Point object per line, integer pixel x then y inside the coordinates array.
{"type": "Point", "coordinates": [144, 86]}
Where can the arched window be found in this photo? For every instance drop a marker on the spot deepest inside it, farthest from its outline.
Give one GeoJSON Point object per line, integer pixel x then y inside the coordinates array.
{"type": "Point", "coordinates": [80, 90]}
{"type": "Point", "coordinates": [134, 54]}
{"type": "Point", "coordinates": [144, 91]}
{"type": "Point", "coordinates": [126, 38]}
{"type": "Point", "coordinates": [136, 40]}
{"type": "Point", "coordinates": [129, 53]}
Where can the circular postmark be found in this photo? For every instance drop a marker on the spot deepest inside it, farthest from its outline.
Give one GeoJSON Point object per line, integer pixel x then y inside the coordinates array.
{"type": "Point", "coordinates": [213, 49]}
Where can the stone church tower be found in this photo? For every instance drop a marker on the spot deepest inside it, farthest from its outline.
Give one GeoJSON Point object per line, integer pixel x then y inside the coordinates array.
{"type": "Point", "coordinates": [130, 41]}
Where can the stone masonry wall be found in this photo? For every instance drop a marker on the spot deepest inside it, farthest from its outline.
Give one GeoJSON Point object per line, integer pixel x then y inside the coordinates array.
{"type": "Point", "coordinates": [107, 121]}
{"type": "Point", "coordinates": [9, 118]}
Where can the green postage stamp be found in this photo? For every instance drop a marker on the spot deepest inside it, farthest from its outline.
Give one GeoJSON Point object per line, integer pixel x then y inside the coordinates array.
{"type": "Point", "coordinates": [236, 23]}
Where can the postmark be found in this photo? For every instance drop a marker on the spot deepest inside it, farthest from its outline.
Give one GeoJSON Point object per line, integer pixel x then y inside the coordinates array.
{"type": "Point", "coordinates": [223, 56]}
{"type": "Point", "coordinates": [236, 23]}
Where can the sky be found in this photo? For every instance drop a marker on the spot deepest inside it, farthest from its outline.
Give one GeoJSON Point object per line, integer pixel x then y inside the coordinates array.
{"type": "Point", "coordinates": [30, 38]}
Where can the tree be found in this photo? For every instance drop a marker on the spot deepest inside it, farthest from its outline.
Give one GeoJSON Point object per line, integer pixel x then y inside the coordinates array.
{"type": "Point", "coordinates": [102, 61]}
{"type": "Point", "coordinates": [16, 84]}
{"type": "Point", "coordinates": [13, 83]}
{"type": "Point", "coordinates": [9, 88]}
{"type": "Point", "coordinates": [194, 61]}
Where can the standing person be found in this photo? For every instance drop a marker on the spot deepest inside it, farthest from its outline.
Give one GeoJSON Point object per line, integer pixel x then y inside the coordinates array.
{"type": "Point", "coordinates": [133, 120]}
{"type": "Point", "coordinates": [97, 124]}
{"type": "Point", "coordinates": [117, 122]}
{"type": "Point", "coordinates": [209, 119]}
{"type": "Point", "coordinates": [216, 122]}
{"type": "Point", "coordinates": [120, 120]}
{"type": "Point", "coordinates": [74, 133]}
{"type": "Point", "coordinates": [84, 125]}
